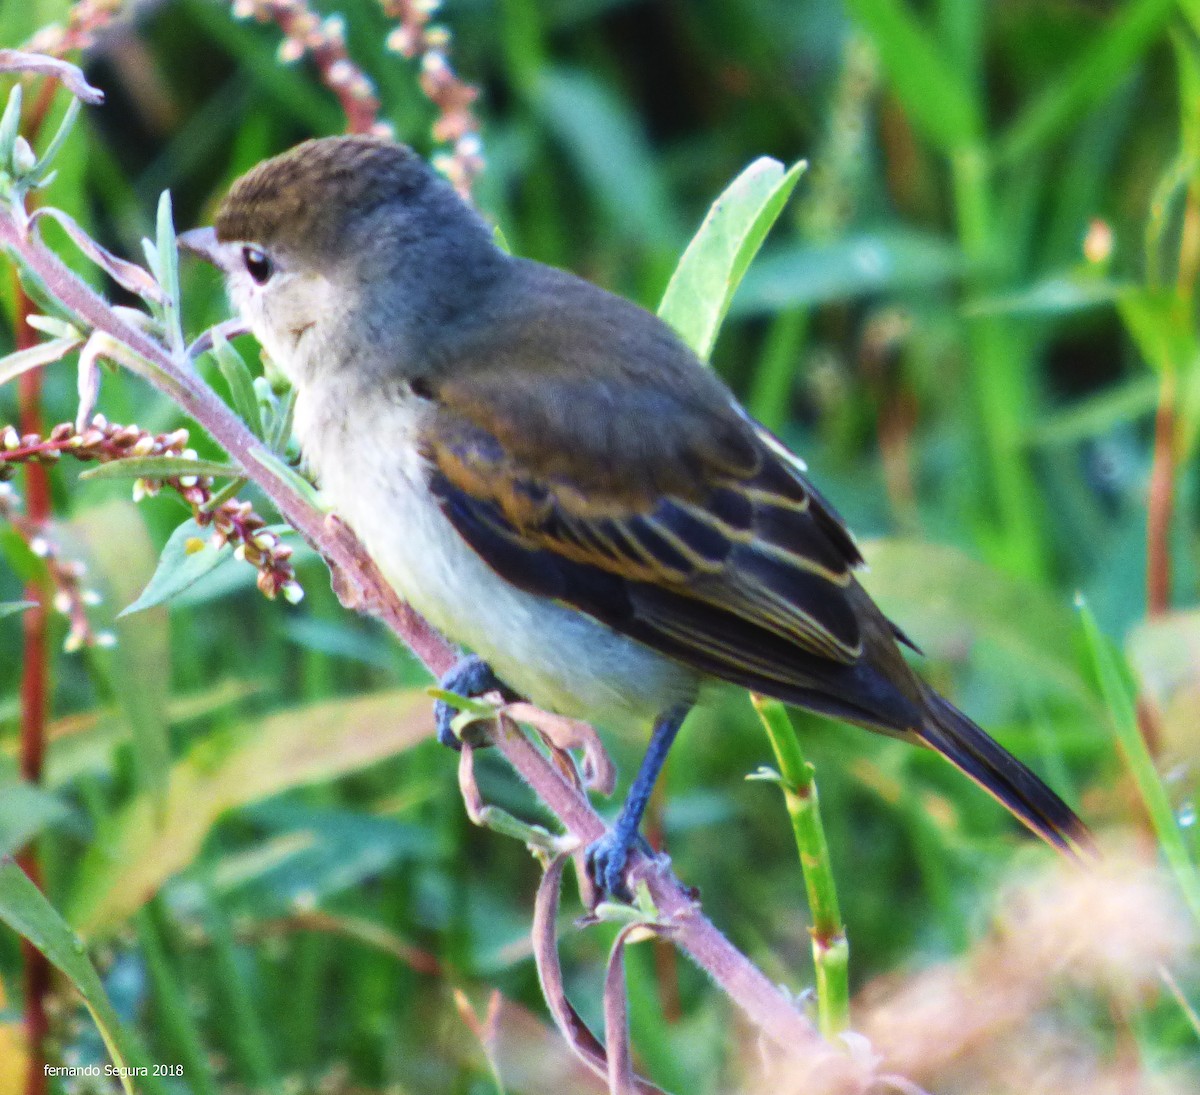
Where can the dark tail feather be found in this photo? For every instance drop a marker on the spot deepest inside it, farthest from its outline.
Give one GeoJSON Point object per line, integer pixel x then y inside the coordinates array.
{"type": "Point", "coordinates": [1004, 777]}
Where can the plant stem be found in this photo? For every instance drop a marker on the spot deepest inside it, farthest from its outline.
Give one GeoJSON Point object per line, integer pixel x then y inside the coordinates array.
{"type": "Point", "coordinates": [996, 377]}
{"type": "Point", "coordinates": [763, 1003]}
{"type": "Point", "coordinates": [831, 949]}
{"type": "Point", "coordinates": [35, 689]}
{"type": "Point", "coordinates": [1160, 503]}
{"type": "Point", "coordinates": [1112, 677]}
{"type": "Point", "coordinates": [171, 997]}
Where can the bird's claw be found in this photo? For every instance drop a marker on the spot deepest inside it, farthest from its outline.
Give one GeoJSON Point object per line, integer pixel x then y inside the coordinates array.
{"type": "Point", "coordinates": [471, 676]}
{"type": "Point", "coordinates": [607, 861]}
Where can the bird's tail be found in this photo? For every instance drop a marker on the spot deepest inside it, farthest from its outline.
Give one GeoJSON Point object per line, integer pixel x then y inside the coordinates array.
{"type": "Point", "coordinates": [1014, 786]}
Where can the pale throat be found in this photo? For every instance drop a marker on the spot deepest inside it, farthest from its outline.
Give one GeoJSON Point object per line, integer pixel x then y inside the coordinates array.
{"type": "Point", "coordinates": [294, 319]}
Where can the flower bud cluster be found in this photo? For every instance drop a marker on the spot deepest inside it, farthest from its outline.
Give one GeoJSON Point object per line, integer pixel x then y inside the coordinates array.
{"type": "Point", "coordinates": [100, 440]}
{"type": "Point", "coordinates": [417, 37]}
{"type": "Point", "coordinates": [236, 523]}
{"type": "Point", "coordinates": [84, 20]}
{"type": "Point", "coordinates": [71, 597]}
{"type": "Point", "coordinates": [306, 34]}
{"type": "Point", "coordinates": [232, 522]}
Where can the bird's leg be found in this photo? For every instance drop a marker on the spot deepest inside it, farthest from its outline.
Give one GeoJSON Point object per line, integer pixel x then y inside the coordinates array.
{"type": "Point", "coordinates": [606, 858]}
{"type": "Point", "coordinates": [471, 676]}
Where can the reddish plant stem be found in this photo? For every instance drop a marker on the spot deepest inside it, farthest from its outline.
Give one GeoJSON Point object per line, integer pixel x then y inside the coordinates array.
{"type": "Point", "coordinates": [763, 1003]}
{"type": "Point", "coordinates": [35, 665]}
{"type": "Point", "coordinates": [35, 692]}
{"type": "Point", "coordinates": [1159, 509]}
{"type": "Point", "coordinates": [1160, 504]}
{"type": "Point", "coordinates": [666, 957]}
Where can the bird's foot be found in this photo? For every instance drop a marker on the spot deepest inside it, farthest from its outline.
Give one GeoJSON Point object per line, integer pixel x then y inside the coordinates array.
{"type": "Point", "coordinates": [608, 858]}
{"type": "Point", "coordinates": [471, 677]}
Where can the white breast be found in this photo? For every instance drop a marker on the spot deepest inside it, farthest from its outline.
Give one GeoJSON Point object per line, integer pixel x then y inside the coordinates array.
{"type": "Point", "coordinates": [557, 657]}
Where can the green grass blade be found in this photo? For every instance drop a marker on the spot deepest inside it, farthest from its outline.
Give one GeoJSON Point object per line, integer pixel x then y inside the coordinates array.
{"type": "Point", "coordinates": [1104, 62]}
{"type": "Point", "coordinates": [611, 152]}
{"type": "Point", "coordinates": [161, 467]}
{"type": "Point", "coordinates": [25, 909]}
{"type": "Point", "coordinates": [241, 383]}
{"type": "Point", "coordinates": [140, 847]}
{"type": "Point", "coordinates": [136, 670]}
{"type": "Point", "coordinates": [1119, 700]}
{"type": "Point", "coordinates": [177, 1016]}
{"type": "Point", "coordinates": [933, 92]}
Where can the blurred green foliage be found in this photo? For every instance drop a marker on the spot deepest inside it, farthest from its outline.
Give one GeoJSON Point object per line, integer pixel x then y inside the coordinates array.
{"type": "Point", "coordinates": [966, 320]}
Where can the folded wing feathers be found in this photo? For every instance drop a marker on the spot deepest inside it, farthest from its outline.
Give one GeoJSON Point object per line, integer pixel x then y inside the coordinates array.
{"type": "Point", "coordinates": [766, 551]}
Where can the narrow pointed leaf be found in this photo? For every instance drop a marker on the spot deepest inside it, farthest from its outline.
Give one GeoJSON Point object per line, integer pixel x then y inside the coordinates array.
{"type": "Point", "coordinates": [241, 383]}
{"type": "Point", "coordinates": [44, 353]}
{"type": "Point", "coordinates": [126, 274]}
{"type": "Point", "coordinates": [134, 854]}
{"type": "Point", "coordinates": [161, 467]}
{"type": "Point", "coordinates": [714, 263]}
{"type": "Point", "coordinates": [932, 91]}
{"type": "Point", "coordinates": [1113, 679]}
{"type": "Point", "coordinates": [188, 556]}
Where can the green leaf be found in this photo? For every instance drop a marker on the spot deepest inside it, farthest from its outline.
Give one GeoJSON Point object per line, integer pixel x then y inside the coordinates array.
{"type": "Point", "coordinates": [308, 855]}
{"type": "Point", "coordinates": [877, 262]}
{"type": "Point", "coordinates": [611, 153]}
{"type": "Point", "coordinates": [168, 251]}
{"type": "Point", "coordinates": [1097, 414]}
{"type": "Point", "coordinates": [44, 353]}
{"type": "Point", "coordinates": [161, 467]}
{"type": "Point", "coordinates": [114, 540]}
{"type": "Point", "coordinates": [25, 810]}
{"type": "Point", "coordinates": [290, 476]}
{"type": "Point", "coordinates": [284, 421]}
{"type": "Point", "coordinates": [1119, 698]}
{"type": "Point", "coordinates": [1188, 61]}
{"type": "Point", "coordinates": [933, 92]}
{"type": "Point", "coordinates": [11, 608]}
{"type": "Point", "coordinates": [1159, 321]}
{"type": "Point", "coordinates": [10, 124]}
{"type": "Point", "coordinates": [43, 171]}
{"type": "Point", "coordinates": [241, 382]}
{"type": "Point", "coordinates": [187, 557]}
{"type": "Point", "coordinates": [1053, 296]}
{"type": "Point", "coordinates": [137, 851]}
{"type": "Point", "coordinates": [24, 909]}
{"type": "Point", "coordinates": [945, 599]}
{"type": "Point", "coordinates": [716, 260]}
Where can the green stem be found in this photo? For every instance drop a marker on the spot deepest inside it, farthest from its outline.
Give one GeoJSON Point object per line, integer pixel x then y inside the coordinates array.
{"type": "Point", "coordinates": [1119, 700]}
{"type": "Point", "coordinates": [996, 375]}
{"type": "Point", "coordinates": [173, 1009]}
{"type": "Point", "coordinates": [247, 1036]}
{"type": "Point", "coordinates": [831, 949]}
{"type": "Point", "coordinates": [770, 391]}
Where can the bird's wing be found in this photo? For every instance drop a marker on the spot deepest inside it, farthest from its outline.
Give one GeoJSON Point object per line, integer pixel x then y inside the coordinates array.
{"type": "Point", "coordinates": [656, 506]}
{"type": "Point", "coordinates": [651, 502]}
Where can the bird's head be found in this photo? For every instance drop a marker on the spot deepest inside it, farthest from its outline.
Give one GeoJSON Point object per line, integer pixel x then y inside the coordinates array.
{"type": "Point", "coordinates": [342, 238]}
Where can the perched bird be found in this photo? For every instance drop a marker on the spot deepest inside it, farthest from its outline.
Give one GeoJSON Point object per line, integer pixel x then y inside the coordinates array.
{"type": "Point", "coordinates": [553, 479]}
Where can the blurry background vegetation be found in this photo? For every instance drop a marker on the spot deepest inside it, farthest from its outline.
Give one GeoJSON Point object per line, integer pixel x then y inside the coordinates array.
{"type": "Point", "coordinates": [975, 321]}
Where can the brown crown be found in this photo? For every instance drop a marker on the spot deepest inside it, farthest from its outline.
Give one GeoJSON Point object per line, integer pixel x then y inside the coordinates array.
{"type": "Point", "coordinates": [305, 195]}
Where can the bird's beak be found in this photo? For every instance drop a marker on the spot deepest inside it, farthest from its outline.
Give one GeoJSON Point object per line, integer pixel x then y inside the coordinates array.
{"type": "Point", "coordinates": [202, 242]}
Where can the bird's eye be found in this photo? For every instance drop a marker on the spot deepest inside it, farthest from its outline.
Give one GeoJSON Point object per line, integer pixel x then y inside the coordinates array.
{"type": "Point", "coordinates": [258, 266]}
